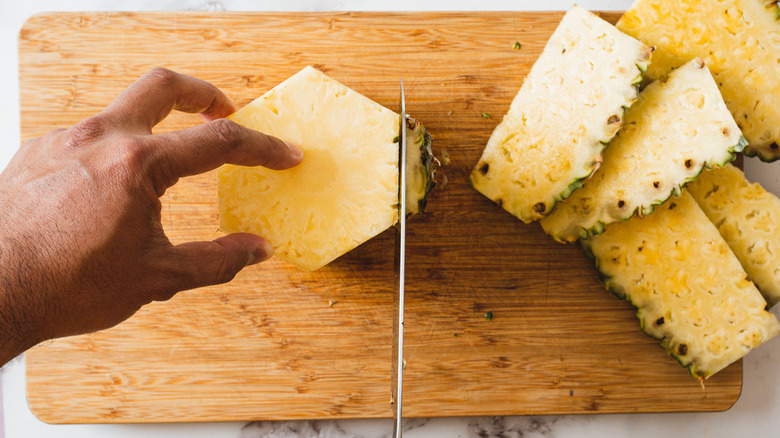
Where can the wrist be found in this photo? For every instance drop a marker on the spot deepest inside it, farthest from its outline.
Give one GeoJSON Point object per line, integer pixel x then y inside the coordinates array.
{"type": "Point", "coordinates": [17, 331]}
{"type": "Point", "coordinates": [13, 341]}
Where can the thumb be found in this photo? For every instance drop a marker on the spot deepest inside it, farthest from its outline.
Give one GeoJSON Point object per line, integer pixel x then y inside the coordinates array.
{"type": "Point", "coordinates": [218, 261]}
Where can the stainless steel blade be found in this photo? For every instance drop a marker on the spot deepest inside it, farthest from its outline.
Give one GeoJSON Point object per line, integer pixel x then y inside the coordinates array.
{"type": "Point", "coordinates": [396, 392]}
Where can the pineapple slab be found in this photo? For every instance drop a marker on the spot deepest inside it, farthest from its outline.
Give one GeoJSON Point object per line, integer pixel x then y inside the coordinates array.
{"type": "Point", "coordinates": [739, 41]}
{"type": "Point", "coordinates": [748, 218]}
{"type": "Point", "coordinates": [346, 189]}
{"type": "Point", "coordinates": [676, 128]}
{"type": "Point", "coordinates": [689, 289]}
{"type": "Point", "coordinates": [569, 106]}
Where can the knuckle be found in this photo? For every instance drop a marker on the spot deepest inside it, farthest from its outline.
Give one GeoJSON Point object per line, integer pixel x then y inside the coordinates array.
{"type": "Point", "coordinates": [86, 131]}
{"type": "Point", "coordinates": [162, 76]}
{"type": "Point", "coordinates": [227, 132]}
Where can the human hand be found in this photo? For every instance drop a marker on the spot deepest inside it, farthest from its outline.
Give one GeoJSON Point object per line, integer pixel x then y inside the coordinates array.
{"type": "Point", "coordinates": [82, 247]}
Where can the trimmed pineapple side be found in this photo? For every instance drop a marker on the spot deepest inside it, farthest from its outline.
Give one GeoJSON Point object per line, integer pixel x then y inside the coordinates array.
{"type": "Point", "coordinates": [748, 218]}
{"type": "Point", "coordinates": [689, 289]}
{"type": "Point", "coordinates": [675, 129]}
{"type": "Point", "coordinates": [739, 41]}
{"type": "Point", "coordinates": [569, 106]}
{"type": "Point", "coordinates": [345, 191]}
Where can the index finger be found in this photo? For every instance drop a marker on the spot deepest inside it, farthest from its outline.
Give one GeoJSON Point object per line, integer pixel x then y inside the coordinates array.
{"type": "Point", "coordinates": [147, 101]}
{"type": "Point", "coordinates": [204, 147]}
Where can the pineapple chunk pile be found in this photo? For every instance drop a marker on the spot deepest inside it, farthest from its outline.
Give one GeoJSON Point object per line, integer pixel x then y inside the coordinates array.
{"type": "Point", "coordinates": [651, 241]}
{"type": "Point", "coordinates": [739, 41]}
{"type": "Point", "coordinates": [570, 105]}
{"type": "Point", "coordinates": [345, 191]}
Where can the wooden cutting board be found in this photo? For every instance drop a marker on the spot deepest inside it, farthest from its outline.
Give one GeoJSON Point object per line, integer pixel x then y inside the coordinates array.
{"type": "Point", "coordinates": [280, 343]}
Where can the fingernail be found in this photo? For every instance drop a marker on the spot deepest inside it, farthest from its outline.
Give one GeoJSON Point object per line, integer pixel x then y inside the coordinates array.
{"type": "Point", "coordinates": [295, 150]}
{"type": "Point", "coordinates": [262, 253]}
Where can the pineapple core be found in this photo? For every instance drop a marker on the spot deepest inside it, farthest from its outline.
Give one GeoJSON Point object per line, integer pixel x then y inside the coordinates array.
{"type": "Point", "coordinates": [344, 192]}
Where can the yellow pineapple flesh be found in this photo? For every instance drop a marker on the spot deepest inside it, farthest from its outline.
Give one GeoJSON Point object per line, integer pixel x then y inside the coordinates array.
{"type": "Point", "coordinates": [346, 189]}
{"type": "Point", "coordinates": [675, 129]}
{"type": "Point", "coordinates": [569, 106]}
{"type": "Point", "coordinates": [739, 41]}
{"type": "Point", "coordinates": [748, 218]}
{"type": "Point", "coordinates": [689, 289]}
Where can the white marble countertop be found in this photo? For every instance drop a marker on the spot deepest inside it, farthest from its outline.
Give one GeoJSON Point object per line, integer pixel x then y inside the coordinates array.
{"type": "Point", "coordinates": [755, 414]}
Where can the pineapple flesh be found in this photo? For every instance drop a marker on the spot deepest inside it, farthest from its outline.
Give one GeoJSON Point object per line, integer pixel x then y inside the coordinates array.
{"type": "Point", "coordinates": [675, 129]}
{"type": "Point", "coordinates": [570, 105]}
{"type": "Point", "coordinates": [345, 191]}
{"type": "Point", "coordinates": [689, 289]}
{"type": "Point", "coordinates": [739, 41]}
{"type": "Point", "coordinates": [748, 218]}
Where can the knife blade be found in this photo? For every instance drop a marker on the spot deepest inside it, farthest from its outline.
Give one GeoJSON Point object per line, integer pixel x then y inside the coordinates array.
{"type": "Point", "coordinates": [396, 391]}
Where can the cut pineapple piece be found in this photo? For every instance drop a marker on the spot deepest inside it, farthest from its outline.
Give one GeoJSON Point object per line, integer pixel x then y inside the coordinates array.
{"type": "Point", "coordinates": [748, 218]}
{"type": "Point", "coordinates": [690, 290]}
{"type": "Point", "coordinates": [346, 189]}
{"type": "Point", "coordinates": [570, 105]}
{"type": "Point", "coordinates": [739, 41]}
{"type": "Point", "coordinates": [670, 134]}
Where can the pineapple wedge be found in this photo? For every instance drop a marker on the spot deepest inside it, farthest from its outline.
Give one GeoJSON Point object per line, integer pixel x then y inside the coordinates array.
{"type": "Point", "coordinates": [570, 105]}
{"type": "Point", "coordinates": [675, 129]}
{"type": "Point", "coordinates": [690, 290]}
{"type": "Point", "coordinates": [748, 218]}
{"type": "Point", "coordinates": [739, 41]}
{"type": "Point", "coordinates": [346, 189]}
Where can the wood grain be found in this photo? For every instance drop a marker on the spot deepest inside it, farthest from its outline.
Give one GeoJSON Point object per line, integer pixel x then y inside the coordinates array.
{"type": "Point", "coordinates": [280, 343]}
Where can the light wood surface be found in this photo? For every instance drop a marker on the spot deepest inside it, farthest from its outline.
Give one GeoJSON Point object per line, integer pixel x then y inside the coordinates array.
{"type": "Point", "coordinates": [280, 343]}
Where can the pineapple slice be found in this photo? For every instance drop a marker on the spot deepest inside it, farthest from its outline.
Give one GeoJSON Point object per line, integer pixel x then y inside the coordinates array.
{"type": "Point", "coordinates": [690, 290]}
{"type": "Point", "coordinates": [739, 41]}
{"type": "Point", "coordinates": [570, 105]}
{"type": "Point", "coordinates": [670, 134]}
{"type": "Point", "coordinates": [748, 218]}
{"type": "Point", "coordinates": [346, 189]}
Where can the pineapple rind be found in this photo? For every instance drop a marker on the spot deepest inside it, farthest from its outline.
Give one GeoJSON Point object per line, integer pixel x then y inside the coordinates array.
{"type": "Point", "coordinates": [568, 108]}
{"type": "Point", "coordinates": [748, 218]}
{"type": "Point", "coordinates": [676, 129]}
{"type": "Point", "coordinates": [345, 191]}
{"type": "Point", "coordinates": [689, 289]}
{"type": "Point", "coordinates": [740, 42]}
{"type": "Point", "coordinates": [421, 176]}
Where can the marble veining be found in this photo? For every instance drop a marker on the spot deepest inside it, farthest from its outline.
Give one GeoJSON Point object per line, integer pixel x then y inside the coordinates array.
{"type": "Point", "coordinates": [474, 427]}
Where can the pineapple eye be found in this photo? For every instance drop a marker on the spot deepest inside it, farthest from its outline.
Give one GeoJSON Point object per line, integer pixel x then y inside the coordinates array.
{"type": "Point", "coordinates": [774, 146]}
{"type": "Point", "coordinates": [621, 203]}
{"type": "Point", "coordinates": [613, 119]}
{"type": "Point", "coordinates": [688, 163]}
{"type": "Point", "coordinates": [483, 169]}
{"type": "Point", "coordinates": [682, 349]}
{"type": "Point", "coordinates": [540, 207]}
{"type": "Point", "coordinates": [660, 321]}
{"type": "Point", "coordinates": [656, 184]}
